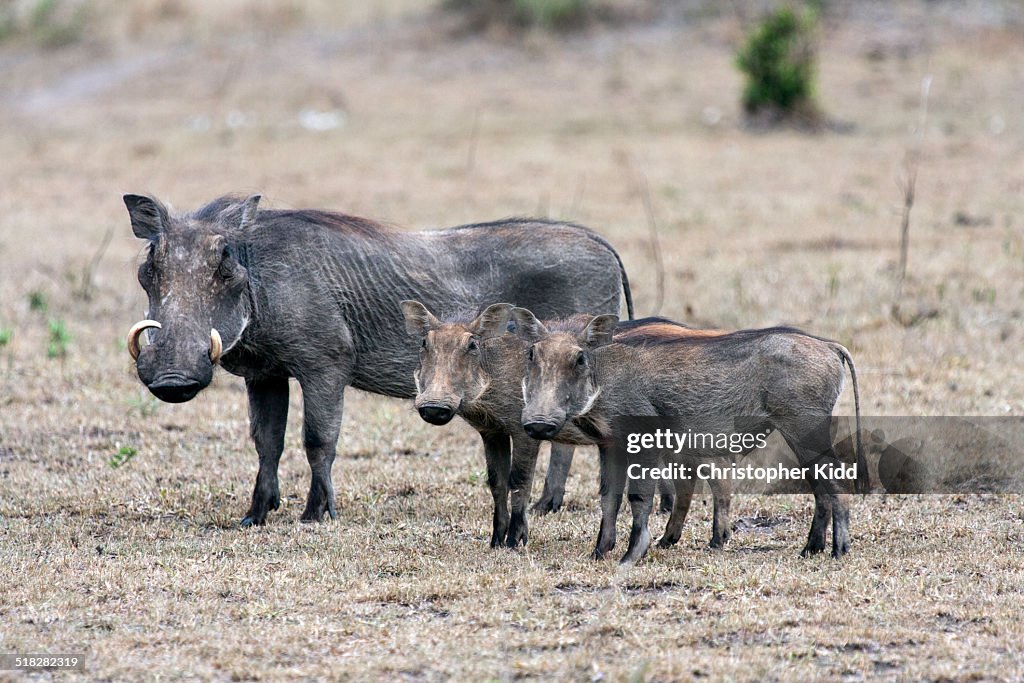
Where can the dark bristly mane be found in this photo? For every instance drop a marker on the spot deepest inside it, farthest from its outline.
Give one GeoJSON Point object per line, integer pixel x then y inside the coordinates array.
{"type": "Point", "coordinates": [460, 317]}
{"type": "Point", "coordinates": [335, 221]}
{"type": "Point", "coordinates": [574, 324]}
{"type": "Point", "coordinates": [660, 334]}
{"type": "Point", "coordinates": [516, 220]}
{"type": "Point", "coordinates": [630, 325]}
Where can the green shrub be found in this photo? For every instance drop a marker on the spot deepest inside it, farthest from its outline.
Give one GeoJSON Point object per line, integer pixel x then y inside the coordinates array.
{"type": "Point", "coordinates": [778, 61]}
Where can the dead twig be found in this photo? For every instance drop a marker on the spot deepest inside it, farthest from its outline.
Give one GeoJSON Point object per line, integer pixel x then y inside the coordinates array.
{"type": "Point", "coordinates": [644, 192]}
{"type": "Point", "coordinates": [908, 186]}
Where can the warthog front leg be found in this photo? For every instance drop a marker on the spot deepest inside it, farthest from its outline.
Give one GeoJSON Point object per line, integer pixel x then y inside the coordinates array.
{"type": "Point", "coordinates": [323, 403]}
{"type": "Point", "coordinates": [611, 488]}
{"type": "Point", "coordinates": [498, 454]}
{"type": "Point", "coordinates": [641, 501]}
{"type": "Point", "coordinates": [554, 483]}
{"type": "Point", "coordinates": [524, 462]}
{"type": "Point", "coordinates": [268, 417]}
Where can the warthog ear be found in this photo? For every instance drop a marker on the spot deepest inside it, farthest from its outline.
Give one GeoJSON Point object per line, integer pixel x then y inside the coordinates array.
{"type": "Point", "coordinates": [149, 217]}
{"type": "Point", "coordinates": [599, 330]}
{"type": "Point", "coordinates": [249, 208]}
{"type": "Point", "coordinates": [418, 320]}
{"type": "Point", "coordinates": [493, 322]}
{"type": "Point", "coordinates": [527, 325]}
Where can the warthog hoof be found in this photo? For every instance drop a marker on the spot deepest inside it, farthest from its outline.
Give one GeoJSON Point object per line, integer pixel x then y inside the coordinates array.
{"type": "Point", "coordinates": [315, 510]}
{"type": "Point", "coordinates": [261, 505]}
{"type": "Point", "coordinates": [551, 502]}
{"type": "Point", "coordinates": [812, 548]}
{"type": "Point", "coordinates": [252, 520]}
{"type": "Point", "coordinates": [603, 549]}
{"type": "Point", "coordinates": [667, 541]}
{"type": "Point", "coordinates": [639, 542]}
{"type": "Point", "coordinates": [498, 538]}
{"type": "Point", "coordinates": [719, 540]}
{"type": "Point", "coordinates": [517, 537]}
{"type": "Point", "coordinates": [840, 549]}
{"type": "Point", "coordinates": [518, 530]}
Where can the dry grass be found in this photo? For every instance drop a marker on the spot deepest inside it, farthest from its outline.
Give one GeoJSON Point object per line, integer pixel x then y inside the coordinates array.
{"type": "Point", "coordinates": [141, 566]}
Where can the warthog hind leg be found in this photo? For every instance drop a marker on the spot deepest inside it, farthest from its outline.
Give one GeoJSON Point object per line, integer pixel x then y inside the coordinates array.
{"type": "Point", "coordinates": [323, 403]}
{"type": "Point", "coordinates": [674, 529]}
{"type": "Point", "coordinates": [554, 483]}
{"type": "Point", "coordinates": [667, 496]}
{"type": "Point", "coordinates": [813, 446]}
{"type": "Point", "coordinates": [721, 529]}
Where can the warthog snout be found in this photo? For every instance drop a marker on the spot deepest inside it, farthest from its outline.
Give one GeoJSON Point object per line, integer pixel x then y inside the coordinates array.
{"type": "Point", "coordinates": [175, 388]}
{"type": "Point", "coordinates": [541, 429]}
{"type": "Point", "coordinates": [437, 414]}
{"type": "Point", "coordinates": [174, 369]}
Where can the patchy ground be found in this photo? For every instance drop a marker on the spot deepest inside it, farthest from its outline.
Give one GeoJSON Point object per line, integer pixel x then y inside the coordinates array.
{"type": "Point", "coordinates": [387, 115]}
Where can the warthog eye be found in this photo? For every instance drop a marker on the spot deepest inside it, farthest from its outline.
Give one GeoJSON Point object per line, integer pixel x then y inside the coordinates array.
{"type": "Point", "coordinates": [423, 344]}
{"type": "Point", "coordinates": [529, 354]}
{"type": "Point", "coordinates": [146, 273]}
{"type": "Point", "coordinates": [472, 346]}
{"type": "Point", "coordinates": [581, 359]}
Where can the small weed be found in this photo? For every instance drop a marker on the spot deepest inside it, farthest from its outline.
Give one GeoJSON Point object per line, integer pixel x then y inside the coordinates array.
{"type": "Point", "coordinates": [552, 15]}
{"type": "Point", "coordinates": [833, 281]}
{"type": "Point", "coordinates": [145, 406]}
{"type": "Point", "coordinates": [60, 339]}
{"type": "Point", "coordinates": [37, 301]}
{"type": "Point", "coordinates": [985, 295]}
{"type": "Point", "coordinates": [6, 335]}
{"type": "Point", "coordinates": [54, 24]}
{"type": "Point", "coordinates": [123, 455]}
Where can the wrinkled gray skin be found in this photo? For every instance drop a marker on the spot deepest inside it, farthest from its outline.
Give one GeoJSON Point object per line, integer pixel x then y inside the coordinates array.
{"type": "Point", "coordinates": [473, 367]}
{"type": "Point", "coordinates": [578, 380]}
{"type": "Point", "coordinates": [314, 296]}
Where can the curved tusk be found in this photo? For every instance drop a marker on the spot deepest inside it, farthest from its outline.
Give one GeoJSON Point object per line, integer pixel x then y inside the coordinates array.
{"type": "Point", "coordinates": [216, 346]}
{"type": "Point", "coordinates": [133, 335]}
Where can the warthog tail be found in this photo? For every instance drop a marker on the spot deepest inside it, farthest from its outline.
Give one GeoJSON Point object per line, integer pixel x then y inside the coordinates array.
{"type": "Point", "coordinates": [863, 476]}
{"type": "Point", "coordinates": [627, 293]}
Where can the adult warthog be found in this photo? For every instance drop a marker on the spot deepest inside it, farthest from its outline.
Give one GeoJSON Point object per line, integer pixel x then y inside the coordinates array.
{"type": "Point", "coordinates": [314, 295]}
{"type": "Point", "coordinates": [579, 379]}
